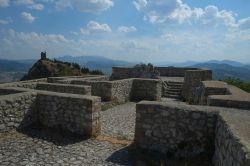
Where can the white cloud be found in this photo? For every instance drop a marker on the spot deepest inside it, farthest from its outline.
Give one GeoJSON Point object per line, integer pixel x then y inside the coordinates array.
{"type": "Point", "coordinates": [37, 6]}
{"type": "Point", "coordinates": [126, 29]}
{"type": "Point", "coordinates": [95, 27]}
{"type": "Point", "coordinates": [244, 23]}
{"type": "Point", "coordinates": [24, 2]}
{"type": "Point", "coordinates": [89, 6]}
{"type": "Point", "coordinates": [195, 45]}
{"type": "Point", "coordinates": [176, 11]}
{"type": "Point", "coordinates": [4, 3]}
{"type": "Point", "coordinates": [5, 21]}
{"type": "Point", "coordinates": [28, 17]}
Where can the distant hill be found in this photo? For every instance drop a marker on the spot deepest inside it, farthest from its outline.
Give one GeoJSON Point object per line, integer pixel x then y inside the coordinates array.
{"type": "Point", "coordinates": [15, 65]}
{"type": "Point", "coordinates": [54, 68]}
{"type": "Point", "coordinates": [96, 62]}
{"type": "Point", "coordinates": [227, 62]}
{"type": "Point", "coordinates": [223, 71]}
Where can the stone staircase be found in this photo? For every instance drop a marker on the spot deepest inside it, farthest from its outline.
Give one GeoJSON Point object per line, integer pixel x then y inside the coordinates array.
{"type": "Point", "coordinates": [172, 89]}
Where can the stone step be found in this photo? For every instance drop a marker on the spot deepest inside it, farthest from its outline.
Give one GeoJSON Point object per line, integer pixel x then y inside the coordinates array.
{"type": "Point", "coordinates": [172, 89]}
{"type": "Point", "coordinates": [172, 96]}
{"type": "Point", "coordinates": [172, 93]}
{"type": "Point", "coordinates": [174, 85]}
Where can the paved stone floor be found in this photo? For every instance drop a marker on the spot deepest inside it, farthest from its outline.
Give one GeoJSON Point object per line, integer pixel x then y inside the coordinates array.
{"type": "Point", "coordinates": [47, 147]}
{"type": "Point", "coordinates": [119, 122]}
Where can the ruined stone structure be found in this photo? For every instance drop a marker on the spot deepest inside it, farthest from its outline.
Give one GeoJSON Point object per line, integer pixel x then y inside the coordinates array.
{"type": "Point", "coordinates": [163, 125]}
{"type": "Point", "coordinates": [43, 55]}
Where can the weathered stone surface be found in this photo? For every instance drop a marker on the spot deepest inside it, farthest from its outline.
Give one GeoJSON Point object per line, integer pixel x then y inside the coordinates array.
{"type": "Point", "coordinates": [187, 131]}
{"type": "Point", "coordinates": [65, 88]}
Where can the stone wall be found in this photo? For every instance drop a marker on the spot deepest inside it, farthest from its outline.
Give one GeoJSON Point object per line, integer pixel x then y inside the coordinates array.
{"type": "Point", "coordinates": [126, 72]}
{"type": "Point", "coordinates": [121, 90]}
{"type": "Point", "coordinates": [146, 89]}
{"type": "Point", "coordinates": [17, 111]}
{"type": "Point", "coordinates": [78, 114]}
{"type": "Point", "coordinates": [75, 113]}
{"type": "Point", "coordinates": [65, 88]}
{"type": "Point", "coordinates": [119, 73]}
{"type": "Point", "coordinates": [192, 80]}
{"type": "Point", "coordinates": [229, 151]}
{"type": "Point", "coordinates": [187, 131]}
{"type": "Point", "coordinates": [208, 88]}
{"type": "Point", "coordinates": [174, 129]}
{"type": "Point", "coordinates": [173, 71]}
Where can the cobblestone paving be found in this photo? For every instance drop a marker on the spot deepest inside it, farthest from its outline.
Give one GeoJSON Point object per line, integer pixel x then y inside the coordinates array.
{"type": "Point", "coordinates": [48, 147]}
{"type": "Point", "coordinates": [42, 148]}
{"type": "Point", "coordinates": [119, 122]}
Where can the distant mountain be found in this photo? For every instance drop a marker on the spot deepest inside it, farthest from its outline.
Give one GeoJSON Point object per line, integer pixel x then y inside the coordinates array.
{"type": "Point", "coordinates": [15, 65]}
{"type": "Point", "coordinates": [228, 62]}
{"type": "Point", "coordinates": [96, 62]}
{"type": "Point", "coordinates": [180, 64]}
{"type": "Point", "coordinates": [222, 71]}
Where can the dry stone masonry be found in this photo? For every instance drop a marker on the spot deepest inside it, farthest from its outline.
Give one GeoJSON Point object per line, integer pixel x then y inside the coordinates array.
{"type": "Point", "coordinates": [164, 126]}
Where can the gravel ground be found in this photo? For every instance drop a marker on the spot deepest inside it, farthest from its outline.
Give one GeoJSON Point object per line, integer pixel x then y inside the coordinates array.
{"type": "Point", "coordinates": [50, 147]}
{"type": "Point", "coordinates": [119, 121]}
{"type": "Point", "coordinates": [37, 147]}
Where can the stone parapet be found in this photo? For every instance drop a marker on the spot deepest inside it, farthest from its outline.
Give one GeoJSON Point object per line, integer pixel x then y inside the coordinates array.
{"type": "Point", "coordinates": [188, 131]}
{"type": "Point", "coordinates": [65, 88]}
{"type": "Point", "coordinates": [17, 111]}
{"type": "Point", "coordinates": [75, 113]}
{"type": "Point", "coordinates": [192, 80]}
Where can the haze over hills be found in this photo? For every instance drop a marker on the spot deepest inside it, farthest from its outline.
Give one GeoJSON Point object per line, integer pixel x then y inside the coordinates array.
{"type": "Point", "coordinates": [12, 70]}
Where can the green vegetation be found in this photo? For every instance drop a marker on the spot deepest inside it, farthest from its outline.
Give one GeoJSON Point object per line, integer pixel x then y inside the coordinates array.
{"type": "Point", "coordinates": [244, 85]}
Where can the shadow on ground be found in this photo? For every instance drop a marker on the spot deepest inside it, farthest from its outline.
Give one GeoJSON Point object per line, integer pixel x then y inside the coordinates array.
{"type": "Point", "coordinates": [56, 136]}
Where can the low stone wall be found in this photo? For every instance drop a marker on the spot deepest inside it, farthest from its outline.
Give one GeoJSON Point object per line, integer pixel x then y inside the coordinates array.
{"type": "Point", "coordinates": [75, 113]}
{"type": "Point", "coordinates": [187, 131]}
{"type": "Point", "coordinates": [173, 71]}
{"type": "Point", "coordinates": [17, 111]}
{"type": "Point", "coordinates": [121, 73]}
{"type": "Point", "coordinates": [192, 80]}
{"type": "Point", "coordinates": [121, 90]}
{"type": "Point", "coordinates": [65, 88]}
{"type": "Point", "coordinates": [174, 129]}
{"type": "Point", "coordinates": [146, 89]}
{"type": "Point", "coordinates": [229, 151]}
{"type": "Point", "coordinates": [126, 72]}
{"type": "Point", "coordinates": [208, 88]}
{"type": "Point", "coordinates": [7, 91]}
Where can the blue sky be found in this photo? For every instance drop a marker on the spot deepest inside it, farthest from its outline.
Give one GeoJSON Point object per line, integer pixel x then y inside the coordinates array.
{"type": "Point", "coordinates": [132, 30]}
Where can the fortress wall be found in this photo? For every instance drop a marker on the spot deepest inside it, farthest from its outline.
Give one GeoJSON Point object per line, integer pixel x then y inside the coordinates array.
{"type": "Point", "coordinates": [98, 88]}
{"type": "Point", "coordinates": [173, 71]}
{"type": "Point", "coordinates": [121, 90]}
{"type": "Point", "coordinates": [126, 89]}
{"type": "Point", "coordinates": [229, 151]}
{"type": "Point", "coordinates": [75, 113]}
{"type": "Point", "coordinates": [126, 72]}
{"type": "Point", "coordinates": [174, 129]}
{"type": "Point", "coordinates": [65, 88]}
{"type": "Point", "coordinates": [121, 73]}
{"type": "Point", "coordinates": [192, 80]}
{"type": "Point", "coordinates": [186, 131]}
{"type": "Point", "coordinates": [17, 111]}
{"type": "Point", "coordinates": [146, 89]}
{"type": "Point", "coordinates": [208, 88]}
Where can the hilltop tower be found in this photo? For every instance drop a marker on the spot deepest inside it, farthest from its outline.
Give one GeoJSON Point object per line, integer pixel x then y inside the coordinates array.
{"type": "Point", "coordinates": [43, 55]}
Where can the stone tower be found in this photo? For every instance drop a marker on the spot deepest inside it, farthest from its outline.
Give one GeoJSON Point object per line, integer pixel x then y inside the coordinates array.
{"type": "Point", "coordinates": [43, 55]}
